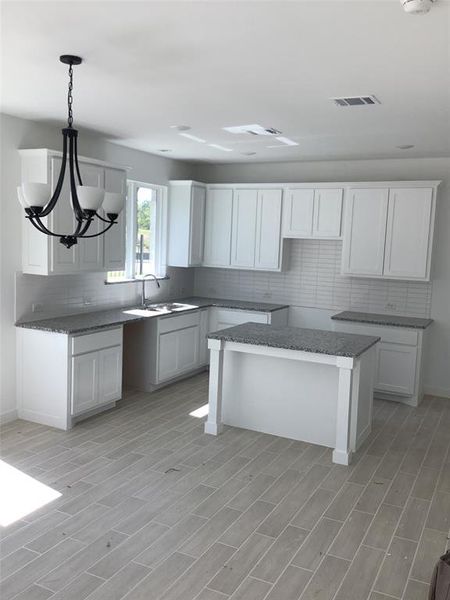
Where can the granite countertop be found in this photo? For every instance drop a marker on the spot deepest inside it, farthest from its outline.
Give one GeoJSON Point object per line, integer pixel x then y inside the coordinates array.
{"type": "Point", "coordinates": [379, 319]}
{"type": "Point", "coordinates": [103, 319]}
{"type": "Point", "coordinates": [296, 338]}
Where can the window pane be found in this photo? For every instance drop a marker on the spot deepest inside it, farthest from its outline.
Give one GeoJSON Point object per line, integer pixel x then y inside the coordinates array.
{"type": "Point", "coordinates": [145, 242]}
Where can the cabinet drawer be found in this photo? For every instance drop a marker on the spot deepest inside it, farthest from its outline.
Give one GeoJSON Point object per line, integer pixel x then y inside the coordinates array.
{"type": "Point", "coordinates": [96, 341]}
{"type": "Point", "coordinates": [392, 335]}
{"type": "Point", "coordinates": [175, 322]}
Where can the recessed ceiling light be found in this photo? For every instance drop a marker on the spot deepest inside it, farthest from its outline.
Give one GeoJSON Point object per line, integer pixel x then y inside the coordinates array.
{"type": "Point", "coordinates": [405, 146]}
{"type": "Point", "coordinates": [181, 127]}
{"type": "Point", "coordinates": [248, 153]}
{"type": "Point", "coordinates": [164, 150]}
{"type": "Point", "coordinates": [254, 129]}
{"type": "Point", "coordinates": [287, 141]}
{"type": "Point", "coordinates": [194, 138]}
{"type": "Point", "coordinates": [219, 147]}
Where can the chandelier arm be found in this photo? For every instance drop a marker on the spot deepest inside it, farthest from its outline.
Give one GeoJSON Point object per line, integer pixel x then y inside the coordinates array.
{"type": "Point", "coordinates": [99, 233]}
{"type": "Point", "coordinates": [54, 199]}
{"type": "Point", "coordinates": [73, 188]}
{"type": "Point", "coordinates": [113, 221]}
{"type": "Point", "coordinates": [77, 166]}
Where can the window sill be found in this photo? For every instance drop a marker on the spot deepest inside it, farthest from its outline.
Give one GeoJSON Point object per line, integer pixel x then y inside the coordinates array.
{"type": "Point", "coordinates": [136, 280]}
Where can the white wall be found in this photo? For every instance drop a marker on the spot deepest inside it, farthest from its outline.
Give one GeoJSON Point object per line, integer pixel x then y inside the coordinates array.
{"type": "Point", "coordinates": [437, 366]}
{"type": "Point", "coordinates": [19, 133]}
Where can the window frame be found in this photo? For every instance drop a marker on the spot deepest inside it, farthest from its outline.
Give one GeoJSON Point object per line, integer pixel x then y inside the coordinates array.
{"type": "Point", "coordinates": [161, 223]}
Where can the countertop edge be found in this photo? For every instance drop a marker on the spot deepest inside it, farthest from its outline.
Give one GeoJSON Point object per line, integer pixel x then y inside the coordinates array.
{"type": "Point", "coordinates": [383, 323]}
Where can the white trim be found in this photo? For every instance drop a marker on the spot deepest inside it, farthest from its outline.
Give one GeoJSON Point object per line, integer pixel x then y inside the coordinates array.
{"type": "Point", "coordinates": [439, 392]}
{"type": "Point", "coordinates": [7, 417]}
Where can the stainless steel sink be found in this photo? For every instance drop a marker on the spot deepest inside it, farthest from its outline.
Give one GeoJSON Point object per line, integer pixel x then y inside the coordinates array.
{"type": "Point", "coordinates": [168, 307]}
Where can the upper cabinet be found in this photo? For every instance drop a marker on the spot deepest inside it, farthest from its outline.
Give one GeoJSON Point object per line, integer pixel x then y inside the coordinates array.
{"type": "Point", "coordinates": [218, 218]}
{"type": "Point", "coordinates": [243, 228]}
{"type": "Point", "coordinates": [45, 255]}
{"type": "Point", "coordinates": [186, 223]}
{"type": "Point", "coordinates": [388, 231]}
{"type": "Point", "coordinates": [312, 213]}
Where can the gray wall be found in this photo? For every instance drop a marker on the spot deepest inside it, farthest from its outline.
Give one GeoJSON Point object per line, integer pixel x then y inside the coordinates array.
{"type": "Point", "coordinates": [437, 367]}
{"type": "Point", "coordinates": [20, 133]}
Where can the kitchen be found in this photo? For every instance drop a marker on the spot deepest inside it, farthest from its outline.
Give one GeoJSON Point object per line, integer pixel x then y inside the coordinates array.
{"type": "Point", "coordinates": [304, 299]}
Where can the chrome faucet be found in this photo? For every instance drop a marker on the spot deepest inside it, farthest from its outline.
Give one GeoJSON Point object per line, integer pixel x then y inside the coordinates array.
{"type": "Point", "coordinates": [143, 299]}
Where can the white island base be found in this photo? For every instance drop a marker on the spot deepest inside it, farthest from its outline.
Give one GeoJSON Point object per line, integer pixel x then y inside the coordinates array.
{"type": "Point", "coordinates": [316, 398]}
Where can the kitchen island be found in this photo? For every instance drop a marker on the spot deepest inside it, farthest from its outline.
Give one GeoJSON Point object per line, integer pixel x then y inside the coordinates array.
{"type": "Point", "coordinates": [303, 384]}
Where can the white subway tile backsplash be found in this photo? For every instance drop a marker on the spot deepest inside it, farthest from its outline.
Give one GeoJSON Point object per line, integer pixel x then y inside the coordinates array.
{"type": "Point", "coordinates": [313, 279]}
{"type": "Point", "coordinates": [68, 294]}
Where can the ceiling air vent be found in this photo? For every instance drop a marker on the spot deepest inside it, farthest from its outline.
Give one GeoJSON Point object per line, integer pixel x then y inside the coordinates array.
{"type": "Point", "coordinates": [356, 100]}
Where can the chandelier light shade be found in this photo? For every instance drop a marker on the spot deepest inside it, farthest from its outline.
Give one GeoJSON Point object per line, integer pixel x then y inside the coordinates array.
{"type": "Point", "coordinates": [38, 202]}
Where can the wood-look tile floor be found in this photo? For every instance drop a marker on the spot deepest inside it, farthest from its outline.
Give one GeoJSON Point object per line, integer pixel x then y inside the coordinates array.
{"type": "Point", "coordinates": [152, 508]}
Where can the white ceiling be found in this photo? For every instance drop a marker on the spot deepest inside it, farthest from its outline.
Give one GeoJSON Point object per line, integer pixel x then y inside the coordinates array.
{"type": "Point", "coordinates": [209, 64]}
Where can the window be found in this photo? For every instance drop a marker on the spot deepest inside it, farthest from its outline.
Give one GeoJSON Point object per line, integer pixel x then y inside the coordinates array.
{"type": "Point", "coordinates": [146, 217]}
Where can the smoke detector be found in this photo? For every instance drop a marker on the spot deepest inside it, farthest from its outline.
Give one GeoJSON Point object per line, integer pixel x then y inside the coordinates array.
{"type": "Point", "coordinates": [417, 7]}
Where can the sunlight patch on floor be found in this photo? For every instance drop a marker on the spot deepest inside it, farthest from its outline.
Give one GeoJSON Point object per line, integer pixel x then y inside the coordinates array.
{"type": "Point", "coordinates": [200, 412]}
{"type": "Point", "coordinates": [21, 494]}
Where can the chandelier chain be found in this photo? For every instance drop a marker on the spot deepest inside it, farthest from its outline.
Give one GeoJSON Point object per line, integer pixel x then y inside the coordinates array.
{"type": "Point", "coordinates": [70, 98]}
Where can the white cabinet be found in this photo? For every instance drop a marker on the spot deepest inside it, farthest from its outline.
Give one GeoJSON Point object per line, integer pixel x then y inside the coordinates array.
{"type": "Point", "coordinates": [45, 255]}
{"type": "Point", "coordinates": [243, 236]}
{"type": "Point", "coordinates": [396, 368]}
{"type": "Point", "coordinates": [365, 231]}
{"type": "Point", "coordinates": [312, 213]}
{"type": "Point", "coordinates": [177, 352]}
{"type": "Point", "coordinates": [408, 232]}
{"type": "Point", "coordinates": [388, 231]}
{"type": "Point", "coordinates": [203, 352]}
{"type": "Point", "coordinates": [114, 241]}
{"type": "Point", "coordinates": [327, 213]}
{"type": "Point", "coordinates": [84, 395]}
{"type": "Point", "coordinates": [86, 375]}
{"type": "Point", "coordinates": [256, 231]}
{"type": "Point", "coordinates": [186, 223]}
{"type": "Point", "coordinates": [218, 219]}
{"type": "Point", "coordinates": [268, 227]}
{"type": "Point", "coordinates": [222, 318]}
{"type": "Point", "coordinates": [398, 371]}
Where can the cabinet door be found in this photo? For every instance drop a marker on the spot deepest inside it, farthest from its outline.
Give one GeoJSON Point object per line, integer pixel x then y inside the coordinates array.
{"type": "Point", "coordinates": [268, 235]}
{"type": "Point", "coordinates": [84, 392]}
{"type": "Point", "coordinates": [114, 240]}
{"type": "Point", "coordinates": [197, 225]}
{"type": "Point", "coordinates": [396, 372]}
{"type": "Point", "coordinates": [62, 220]}
{"type": "Point", "coordinates": [365, 231]}
{"type": "Point", "coordinates": [203, 352]}
{"type": "Point", "coordinates": [298, 213]}
{"type": "Point", "coordinates": [408, 233]}
{"type": "Point", "coordinates": [91, 249]}
{"type": "Point", "coordinates": [110, 375]}
{"type": "Point", "coordinates": [243, 236]}
{"type": "Point", "coordinates": [167, 355]}
{"type": "Point", "coordinates": [327, 213]}
{"type": "Point", "coordinates": [217, 251]}
{"type": "Point", "coordinates": [187, 349]}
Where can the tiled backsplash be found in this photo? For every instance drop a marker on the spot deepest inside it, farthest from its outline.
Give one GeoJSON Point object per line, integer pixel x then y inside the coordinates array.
{"type": "Point", "coordinates": [67, 294]}
{"type": "Point", "coordinates": [313, 279]}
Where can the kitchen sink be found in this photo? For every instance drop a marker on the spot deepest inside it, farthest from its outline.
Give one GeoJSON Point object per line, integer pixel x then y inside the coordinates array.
{"type": "Point", "coordinates": [168, 307]}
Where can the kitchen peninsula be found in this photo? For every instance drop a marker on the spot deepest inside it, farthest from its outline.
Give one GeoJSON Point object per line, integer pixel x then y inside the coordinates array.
{"type": "Point", "coordinates": [302, 384]}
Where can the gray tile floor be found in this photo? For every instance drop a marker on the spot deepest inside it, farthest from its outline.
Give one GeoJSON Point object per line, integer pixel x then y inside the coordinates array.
{"type": "Point", "coordinates": [154, 509]}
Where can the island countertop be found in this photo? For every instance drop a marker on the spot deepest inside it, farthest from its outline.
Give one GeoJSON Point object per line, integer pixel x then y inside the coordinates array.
{"type": "Point", "coordinates": [103, 319]}
{"type": "Point", "coordinates": [295, 338]}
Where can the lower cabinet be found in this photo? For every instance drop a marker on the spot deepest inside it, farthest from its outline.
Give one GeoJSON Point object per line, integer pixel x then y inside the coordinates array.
{"type": "Point", "coordinates": [398, 371]}
{"type": "Point", "coordinates": [177, 352]}
{"type": "Point", "coordinates": [86, 375]}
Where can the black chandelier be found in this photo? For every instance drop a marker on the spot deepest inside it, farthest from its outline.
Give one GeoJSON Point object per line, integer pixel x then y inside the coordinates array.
{"type": "Point", "coordinates": [86, 200]}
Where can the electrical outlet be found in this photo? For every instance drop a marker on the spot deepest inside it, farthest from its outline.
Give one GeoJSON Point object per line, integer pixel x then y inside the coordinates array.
{"type": "Point", "coordinates": [267, 295]}
{"type": "Point", "coordinates": [37, 307]}
{"type": "Point", "coordinates": [390, 306]}
{"type": "Point", "coordinates": [87, 301]}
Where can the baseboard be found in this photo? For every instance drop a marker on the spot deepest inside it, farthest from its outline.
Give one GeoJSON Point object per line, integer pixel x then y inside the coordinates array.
{"type": "Point", "coordinates": [9, 416]}
{"type": "Point", "coordinates": [439, 392]}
